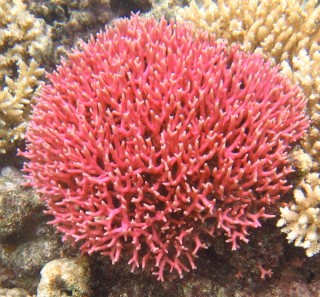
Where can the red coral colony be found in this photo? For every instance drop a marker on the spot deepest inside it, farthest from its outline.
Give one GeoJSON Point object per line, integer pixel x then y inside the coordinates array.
{"type": "Point", "coordinates": [153, 135]}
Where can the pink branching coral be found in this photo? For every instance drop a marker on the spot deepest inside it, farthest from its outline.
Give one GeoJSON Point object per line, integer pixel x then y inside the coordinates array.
{"type": "Point", "coordinates": [153, 135]}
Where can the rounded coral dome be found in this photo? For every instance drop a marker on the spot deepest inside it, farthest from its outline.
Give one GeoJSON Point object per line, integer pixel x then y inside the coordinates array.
{"type": "Point", "coordinates": [153, 135]}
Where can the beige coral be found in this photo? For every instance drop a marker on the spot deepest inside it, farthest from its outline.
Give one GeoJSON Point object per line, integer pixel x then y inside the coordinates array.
{"type": "Point", "coordinates": [24, 41]}
{"type": "Point", "coordinates": [65, 275]}
{"type": "Point", "coordinates": [277, 29]}
{"type": "Point", "coordinates": [15, 104]}
{"type": "Point", "coordinates": [301, 161]}
{"type": "Point", "coordinates": [301, 220]}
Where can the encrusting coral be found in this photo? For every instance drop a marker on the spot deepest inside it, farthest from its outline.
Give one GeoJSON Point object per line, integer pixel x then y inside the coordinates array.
{"type": "Point", "coordinates": [65, 275]}
{"type": "Point", "coordinates": [144, 153]}
{"type": "Point", "coordinates": [285, 32]}
{"type": "Point", "coordinates": [24, 40]}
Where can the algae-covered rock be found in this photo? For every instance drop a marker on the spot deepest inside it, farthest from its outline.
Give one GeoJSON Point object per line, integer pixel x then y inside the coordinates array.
{"type": "Point", "coordinates": [26, 241]}
{"type": "Point", "coordinates": [18, 204]}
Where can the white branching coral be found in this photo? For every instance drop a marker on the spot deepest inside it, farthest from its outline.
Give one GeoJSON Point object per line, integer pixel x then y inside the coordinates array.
{"type": "Point", "coordinates": [24, 41]}
{"type": "Point", "coordinates": [301, 220]}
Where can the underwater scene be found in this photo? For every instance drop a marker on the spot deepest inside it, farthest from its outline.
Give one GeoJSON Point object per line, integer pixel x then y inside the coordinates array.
{"type": "Point", "coordinates": [159, 148]}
